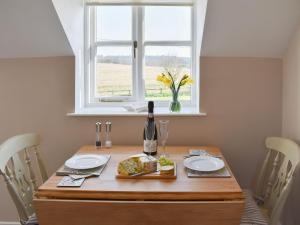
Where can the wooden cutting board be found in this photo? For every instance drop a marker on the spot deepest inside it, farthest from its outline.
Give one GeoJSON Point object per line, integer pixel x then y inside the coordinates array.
{"type": "Point", "coordinates": [155, 175]}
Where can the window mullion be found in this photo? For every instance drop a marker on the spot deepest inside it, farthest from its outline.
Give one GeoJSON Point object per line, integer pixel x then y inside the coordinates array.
{"type": "Point", "coordinates": [134, 58]}
{"type": "Point", "coordinates": [111, 43]}
{"type": "Point", "coordinates": [140, 54]}
{"type": "Point", "coordinates": [168, 43]}
{"type": "Point", "coordinates": [195, 65]}
{"type": "Point", "coordinates": [93, 49]}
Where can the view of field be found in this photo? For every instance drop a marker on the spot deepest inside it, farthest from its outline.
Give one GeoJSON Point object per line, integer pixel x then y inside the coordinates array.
{"type": "Point", "coordinates": [115, 79]}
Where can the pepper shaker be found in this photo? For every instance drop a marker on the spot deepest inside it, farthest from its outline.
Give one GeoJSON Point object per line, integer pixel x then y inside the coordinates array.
{"type": "Point", "coordinates": [108, 142]}
{"type": "Point", "coordinates": [98, 133]}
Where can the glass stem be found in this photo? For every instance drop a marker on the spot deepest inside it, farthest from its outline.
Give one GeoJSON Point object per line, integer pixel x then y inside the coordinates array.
{"type": "Point", "coordinates": [164, 148]}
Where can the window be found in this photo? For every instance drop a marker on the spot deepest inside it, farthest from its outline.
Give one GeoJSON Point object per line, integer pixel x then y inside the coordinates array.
{"type": "Point", "coordinates": [128, 46]}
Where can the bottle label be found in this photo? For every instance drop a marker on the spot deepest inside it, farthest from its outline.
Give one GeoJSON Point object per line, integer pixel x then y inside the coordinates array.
{"type": "Point", "coordinates": [150, 146]}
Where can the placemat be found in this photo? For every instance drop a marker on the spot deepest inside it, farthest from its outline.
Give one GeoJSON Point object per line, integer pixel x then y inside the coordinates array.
{"type": "Point", "coordinates": [216, 174]}
{"type": "Point", "coordinates": [65, 171]}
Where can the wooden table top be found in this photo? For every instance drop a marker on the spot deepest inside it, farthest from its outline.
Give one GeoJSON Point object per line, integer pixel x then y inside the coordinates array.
{"type": "Point", "coordinates": [107, 187]}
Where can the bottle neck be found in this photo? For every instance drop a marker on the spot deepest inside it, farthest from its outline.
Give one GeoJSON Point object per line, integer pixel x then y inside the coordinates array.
{"type": "Point", "coordinates": [150, 116]}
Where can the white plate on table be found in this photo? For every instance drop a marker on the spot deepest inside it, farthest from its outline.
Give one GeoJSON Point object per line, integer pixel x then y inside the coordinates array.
{"type": "Point", "coordinates": [84, 162]}
{"type": "Point", "coordinates": [204, 163]}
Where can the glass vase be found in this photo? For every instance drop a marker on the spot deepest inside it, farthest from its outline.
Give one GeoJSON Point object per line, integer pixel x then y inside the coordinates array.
{"type": "Point", "coordinates": [175, 105]}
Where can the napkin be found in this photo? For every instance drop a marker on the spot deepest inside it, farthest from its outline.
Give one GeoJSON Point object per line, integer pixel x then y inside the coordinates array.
{"type": "Point", "coordinates": [69, 182]}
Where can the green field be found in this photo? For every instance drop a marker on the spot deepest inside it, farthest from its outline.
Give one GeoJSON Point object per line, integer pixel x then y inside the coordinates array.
{"type": "Point", "coordinates": [116, 80]}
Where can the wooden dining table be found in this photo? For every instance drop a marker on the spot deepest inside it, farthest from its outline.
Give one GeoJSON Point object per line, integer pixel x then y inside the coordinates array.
{"type": "Point", "coordinates": [107, 200]}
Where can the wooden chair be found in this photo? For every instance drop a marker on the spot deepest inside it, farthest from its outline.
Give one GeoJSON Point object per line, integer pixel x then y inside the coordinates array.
{"type": "Point", "coordinates": [273, 184]}
{"type": "Point", "coordinates": [19, 172]}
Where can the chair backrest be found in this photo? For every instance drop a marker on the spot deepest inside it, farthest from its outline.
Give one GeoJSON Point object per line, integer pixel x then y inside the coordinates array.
{"type": "Point", "coordinates": [20, 171]}
{"type": "Point", "coordinates": [276, 176]}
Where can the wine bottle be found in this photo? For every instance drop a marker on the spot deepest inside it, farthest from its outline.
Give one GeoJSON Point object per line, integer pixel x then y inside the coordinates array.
{"type": "Point", "coordinates": [98, 131]}
{"type": "Point", "coordinates": [150, 132]}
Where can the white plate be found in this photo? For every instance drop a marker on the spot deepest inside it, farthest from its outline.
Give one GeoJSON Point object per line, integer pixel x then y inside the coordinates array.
{"type": "Point", "coordinates": [204, 163]}
{"type": "Point", "coordinates": [83, 162]}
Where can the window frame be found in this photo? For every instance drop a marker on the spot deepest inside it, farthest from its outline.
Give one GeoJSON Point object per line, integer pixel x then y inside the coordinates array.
{"type": "Point", "coordinates": [138, 85]}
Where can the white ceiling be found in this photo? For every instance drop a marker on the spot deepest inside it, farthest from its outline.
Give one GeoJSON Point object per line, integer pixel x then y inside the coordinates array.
{"type": "Point", "coordinates": [249, 28]}
{"type": "Point", "coordinates": [237, 28]}
{"type": "Point", "coordinates": [31, 28]}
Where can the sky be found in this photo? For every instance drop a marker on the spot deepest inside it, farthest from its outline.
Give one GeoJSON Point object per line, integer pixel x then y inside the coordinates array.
{"type": "Point", "coordinates": [161, 23]}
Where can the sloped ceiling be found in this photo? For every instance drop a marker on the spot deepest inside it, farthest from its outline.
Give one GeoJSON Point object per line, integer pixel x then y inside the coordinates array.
{"type": "Point", "coordinates": [71, 15]}
{"type": "Point", "coordinates": [238, 28]}
{"type": "Point", "coordinates": [249, 28]}
{"type": "Point", "coordinates": [31, 28]}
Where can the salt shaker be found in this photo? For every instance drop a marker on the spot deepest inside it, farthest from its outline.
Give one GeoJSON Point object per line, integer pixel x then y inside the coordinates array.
{"type": "Point", "coordinates": [108, 142]}
{"type": "Point", "coordinates": [98, 132]}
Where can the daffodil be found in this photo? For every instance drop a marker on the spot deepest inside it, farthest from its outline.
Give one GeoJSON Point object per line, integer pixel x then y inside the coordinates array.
{"type": "Point", "coordinates": [160, 78]}
{"type": "Point", "coordinates": [185, 76]}
{"type": "Point", "coordinates": [171, 82]}
{"type": "Point", "coordinates": [164, 79]}
{"type": "Point", "coordinates": [186, 80]}
{"type": "Point", "coordinates": [167, 82]}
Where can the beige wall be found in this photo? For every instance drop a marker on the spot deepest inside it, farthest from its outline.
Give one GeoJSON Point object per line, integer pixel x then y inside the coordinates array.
{"type": "Point", "coordinates": [242, 97]}
{"type": "Point", "coordinates": [291, 89]}
{"type": "Point", "coordinates": [291, 116]}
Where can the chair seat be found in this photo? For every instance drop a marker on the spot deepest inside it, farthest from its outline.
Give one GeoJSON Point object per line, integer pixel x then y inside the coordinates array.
{"type": "Point", "coordinates": [252, 214]}
{"type": "Point", "coordinates": [31, 221]}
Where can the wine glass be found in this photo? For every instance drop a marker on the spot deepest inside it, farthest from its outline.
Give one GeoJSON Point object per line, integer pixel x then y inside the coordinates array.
{"type": "Point", "coordinates": [164, 133]}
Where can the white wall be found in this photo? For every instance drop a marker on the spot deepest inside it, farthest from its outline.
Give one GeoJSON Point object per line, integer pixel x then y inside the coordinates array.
{"type": "Point", "coordinates": [71, 15]}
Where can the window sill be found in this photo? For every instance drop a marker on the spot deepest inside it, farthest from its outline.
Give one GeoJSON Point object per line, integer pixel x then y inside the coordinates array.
{"type": "Point", "coordinates": [120, 112]}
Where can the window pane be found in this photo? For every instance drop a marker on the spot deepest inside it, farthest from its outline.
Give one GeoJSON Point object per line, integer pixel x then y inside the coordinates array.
{"type": "Point", "coordinates": [160, 59]}
{"type": "Point", "coordinates": [114, 71]}
{"type": "Point", "coordinates": [167, 23]}
{"type": "Point", "coordinates": [114, 23]}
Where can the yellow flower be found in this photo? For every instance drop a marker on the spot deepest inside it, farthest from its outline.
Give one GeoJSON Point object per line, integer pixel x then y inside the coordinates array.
{"type": "Point", "coordinates": [164, 79]}
{"type": "Point", "coordinates": [160, 77]}
{"type": "Point", "coordinates": [167, 82]}
{"type": "Point", "coordinates": [186, 80]}
{"type": "Point", "coordinates": [185, 77]}
{"type": "Point", "coordinates": [189, 81]}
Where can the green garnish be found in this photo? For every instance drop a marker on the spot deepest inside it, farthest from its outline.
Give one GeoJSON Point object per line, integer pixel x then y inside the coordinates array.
{"type": "Point", "coordinates": [163, 161]}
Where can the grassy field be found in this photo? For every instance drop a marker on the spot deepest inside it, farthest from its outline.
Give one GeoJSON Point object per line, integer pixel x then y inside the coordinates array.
{"type": "Point", "coordinates": [116, 80]}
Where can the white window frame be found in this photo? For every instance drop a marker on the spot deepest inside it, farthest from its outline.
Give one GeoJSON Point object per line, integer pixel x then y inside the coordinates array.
{"type": "Point", "coordinates": [138, 62]}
